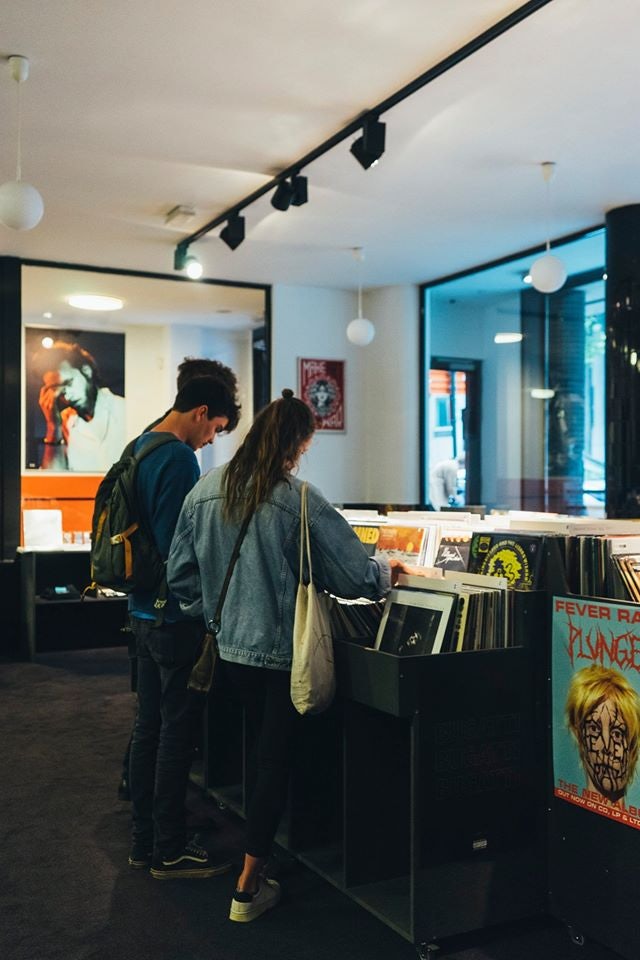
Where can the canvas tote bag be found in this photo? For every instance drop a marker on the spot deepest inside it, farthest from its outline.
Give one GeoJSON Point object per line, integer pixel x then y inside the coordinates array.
{"type": "Point", "coordinates": [313, 680]}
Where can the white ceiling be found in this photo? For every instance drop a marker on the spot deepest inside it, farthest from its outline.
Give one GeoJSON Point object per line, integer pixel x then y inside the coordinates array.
{"type": "Point", "coordinates": [132, 108]}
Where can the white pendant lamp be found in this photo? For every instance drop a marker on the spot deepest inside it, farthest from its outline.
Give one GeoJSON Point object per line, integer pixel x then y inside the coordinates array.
{"type": "Point", "coordinates": [21, 206]}
{"type": "Point", "coordinates": [360, 331]}
{"type": "Point", "coordinates": [548, 272]}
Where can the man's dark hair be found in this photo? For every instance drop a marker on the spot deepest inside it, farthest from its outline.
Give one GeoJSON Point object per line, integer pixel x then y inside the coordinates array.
{"type": "Point", "coordinates": [212, 393]}
{"type": "Point", "coordinates": [200, 367]}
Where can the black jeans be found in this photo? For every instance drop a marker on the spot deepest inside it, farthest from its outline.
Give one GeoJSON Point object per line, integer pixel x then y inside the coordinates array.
{"type": "Point", "coordinates": [162, 744]}
{"type": "Point", "coordinates": [271, 723]}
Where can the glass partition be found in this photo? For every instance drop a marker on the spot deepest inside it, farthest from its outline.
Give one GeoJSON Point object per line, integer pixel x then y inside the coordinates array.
{"type": "Point", "coordinates": [515, 385]}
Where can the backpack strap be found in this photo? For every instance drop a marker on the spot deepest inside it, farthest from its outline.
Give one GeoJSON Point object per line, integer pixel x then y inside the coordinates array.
{"type": "Point", "coordinates": [149, 447]}
{"type": "Point", "coordinates": [160, 440]}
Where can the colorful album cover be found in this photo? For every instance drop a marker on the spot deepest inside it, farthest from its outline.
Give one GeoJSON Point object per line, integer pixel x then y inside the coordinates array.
{"type": "Point", "coordinates": [596, 707]}
{"type": "Point", "coordinates": [514, 556]}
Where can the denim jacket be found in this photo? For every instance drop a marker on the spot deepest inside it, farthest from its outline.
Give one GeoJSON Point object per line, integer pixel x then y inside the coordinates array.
{"type": "Point", "coordinates": [257, 617]}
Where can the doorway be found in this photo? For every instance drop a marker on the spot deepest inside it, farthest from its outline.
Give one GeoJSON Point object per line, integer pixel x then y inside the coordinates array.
{"type": "Point", "coordinates": [454, 431]}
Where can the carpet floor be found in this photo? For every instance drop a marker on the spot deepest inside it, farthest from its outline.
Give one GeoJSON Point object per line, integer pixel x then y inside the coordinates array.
{"type": "Point", "coordinates": [67, 893]}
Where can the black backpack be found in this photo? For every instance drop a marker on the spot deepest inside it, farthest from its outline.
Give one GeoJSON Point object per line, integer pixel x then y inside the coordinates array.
{"type": "Point", "coordinates": [124, 555]}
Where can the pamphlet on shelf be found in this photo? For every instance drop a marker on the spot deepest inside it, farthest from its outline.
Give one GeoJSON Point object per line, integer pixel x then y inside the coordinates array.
{"type": "Point", "coordinates": [42, 528]}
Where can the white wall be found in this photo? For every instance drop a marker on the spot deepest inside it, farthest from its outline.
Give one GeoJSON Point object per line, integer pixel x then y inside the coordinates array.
{"type": "Point", "coordinates": [391, 380]}
{"type": "Point", "coordinates": [376, 459]}
{"type": "Point", "coordinates": [148, 375]}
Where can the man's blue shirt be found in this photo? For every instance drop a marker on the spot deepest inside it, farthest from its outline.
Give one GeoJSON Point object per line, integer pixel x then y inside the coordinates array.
{"type": "Point", "coordinates": [164, 479]}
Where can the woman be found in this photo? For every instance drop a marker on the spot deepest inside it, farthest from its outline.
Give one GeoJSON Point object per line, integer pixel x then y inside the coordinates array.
{"type": "Point", "coordinates": [255, 639]}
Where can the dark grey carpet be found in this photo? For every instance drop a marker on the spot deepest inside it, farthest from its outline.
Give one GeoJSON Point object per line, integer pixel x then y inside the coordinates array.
{"type": "Point", "coordinates": [66, 892]}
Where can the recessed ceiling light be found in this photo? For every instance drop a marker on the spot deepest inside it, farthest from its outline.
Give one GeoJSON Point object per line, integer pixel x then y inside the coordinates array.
{"type": "Point", "coordinates": [507, 337]}
{"type": "Point", "coordinates": [47, 342]}
{"type": "Point", "coordinates": [48, 315]}
{"type": "Point", "coordinates": [542, 393]}
{"type": "Point", "coordinates": [91, 301]}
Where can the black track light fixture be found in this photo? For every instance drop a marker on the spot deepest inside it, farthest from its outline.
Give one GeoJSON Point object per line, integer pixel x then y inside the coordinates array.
{"type": "Point", "coordinates": [183, 260]}
{"type": "Point", "coordinates": [282, 195]}
{"type": "Point", "coordinates": [368, 148]}
{"type": "Point", "coordinates": [367, 127]}
{"type": "Point", "coordinates": [289, 192]}
{"type": "Point", "coordinates": [300, 190]}
{"type": "Point", "coordinates": [233, 233]}
{"type": "Point", "coordinates": [180, 256]}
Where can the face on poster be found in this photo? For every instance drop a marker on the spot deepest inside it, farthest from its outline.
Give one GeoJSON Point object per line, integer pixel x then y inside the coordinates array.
{"type": "Point", "coordinates": [74, 401]}
{"type": "Point", "coordinates": [596, 706]}
{"type": "Point", "coordinates": [321, 386]}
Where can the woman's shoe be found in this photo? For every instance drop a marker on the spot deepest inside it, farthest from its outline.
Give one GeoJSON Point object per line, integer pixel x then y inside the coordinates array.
{"type": "Point", "coordinates": [246, 906]}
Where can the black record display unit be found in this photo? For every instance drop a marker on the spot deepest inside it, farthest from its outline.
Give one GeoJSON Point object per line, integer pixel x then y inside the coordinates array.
{"type": "Point", "coordinates": [52, 615]}
{"type": "Point", "coordinates": [420, 793]}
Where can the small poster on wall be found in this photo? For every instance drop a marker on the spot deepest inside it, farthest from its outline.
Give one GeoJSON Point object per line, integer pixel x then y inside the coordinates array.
{"type": "Point", "coordinates": [596, 707]}
{"type": "Point", "coordinates": [321, 385]}
{"type": "Point", "coordinates": [75, 407]}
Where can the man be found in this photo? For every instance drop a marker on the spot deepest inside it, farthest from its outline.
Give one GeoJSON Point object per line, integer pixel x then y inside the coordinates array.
{"type": "Point", "coordinates": [165, 652]}
{"type": "Point", "coordinates": [443, 482]}
{"type": "Point", "coordinates": [190, 368]}
{"type": "Point", "coordinates": [201, 367]}
{"type": "Point", "coordinates": [85, 422]}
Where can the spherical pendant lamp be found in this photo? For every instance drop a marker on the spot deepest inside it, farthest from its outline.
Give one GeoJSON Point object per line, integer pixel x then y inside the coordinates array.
{"type": "Point", "coordinates": [548, 273]}
{"type": "Point", "coordinates": [360, 331]}
{"type": "Point", "coordinates": [21, 206]}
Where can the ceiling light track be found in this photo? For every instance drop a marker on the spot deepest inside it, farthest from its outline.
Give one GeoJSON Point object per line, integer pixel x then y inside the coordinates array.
{"type": "Point", "coordinates": [368, 120]}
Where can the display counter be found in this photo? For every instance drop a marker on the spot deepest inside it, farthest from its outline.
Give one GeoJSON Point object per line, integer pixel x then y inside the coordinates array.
{"type": "Point", "coordinates": [52, 614]}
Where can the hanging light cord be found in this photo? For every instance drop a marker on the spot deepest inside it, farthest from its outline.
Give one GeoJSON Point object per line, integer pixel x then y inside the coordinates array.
{"type": "Point", "coordinates": [358, 253]}
{"type": "Point", "coordinates": [548, 205]}
{"type": "Point", "coordinates": [548, 172]}
{"type": "Point", "coordinates": [19, 157]}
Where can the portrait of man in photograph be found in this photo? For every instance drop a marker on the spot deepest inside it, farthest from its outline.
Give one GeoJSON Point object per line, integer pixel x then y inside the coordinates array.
{"type": "Point", "coordinates": [75, 413]}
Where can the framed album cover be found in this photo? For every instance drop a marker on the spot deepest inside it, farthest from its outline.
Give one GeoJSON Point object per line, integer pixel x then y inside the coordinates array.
{"type": "Point", "coordinates": [414, 622]}
{"type": "Point", "coordinates": [321, 386]}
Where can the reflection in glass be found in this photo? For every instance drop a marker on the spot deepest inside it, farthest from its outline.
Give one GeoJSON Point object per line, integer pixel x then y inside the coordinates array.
{"type": "Point", "coordinates": [540, 408]}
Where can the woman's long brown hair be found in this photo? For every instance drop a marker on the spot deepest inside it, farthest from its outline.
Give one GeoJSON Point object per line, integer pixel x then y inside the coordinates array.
{"type": "Point", "coordinates": [267, 455]}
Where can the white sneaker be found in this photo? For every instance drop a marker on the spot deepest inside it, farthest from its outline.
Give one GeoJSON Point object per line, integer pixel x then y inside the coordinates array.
{"type": "Point", "coordinates": [266, 896]}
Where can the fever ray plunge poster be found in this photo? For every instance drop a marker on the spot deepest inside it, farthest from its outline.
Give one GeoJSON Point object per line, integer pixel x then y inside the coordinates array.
{"type": "Point", "coordinates": [595, 673]}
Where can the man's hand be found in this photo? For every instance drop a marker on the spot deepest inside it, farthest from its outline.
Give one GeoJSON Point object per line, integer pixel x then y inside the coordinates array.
{"type": "Point", "coordinates": [48, 400]}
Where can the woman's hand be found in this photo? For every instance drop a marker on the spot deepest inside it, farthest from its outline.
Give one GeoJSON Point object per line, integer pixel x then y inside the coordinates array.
{"type": "Point", "coordinates": [398, 567]}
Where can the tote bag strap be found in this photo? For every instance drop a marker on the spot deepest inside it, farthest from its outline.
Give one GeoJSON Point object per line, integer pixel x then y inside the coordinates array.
{"type": "Point", "coordinates": [305, 539]}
